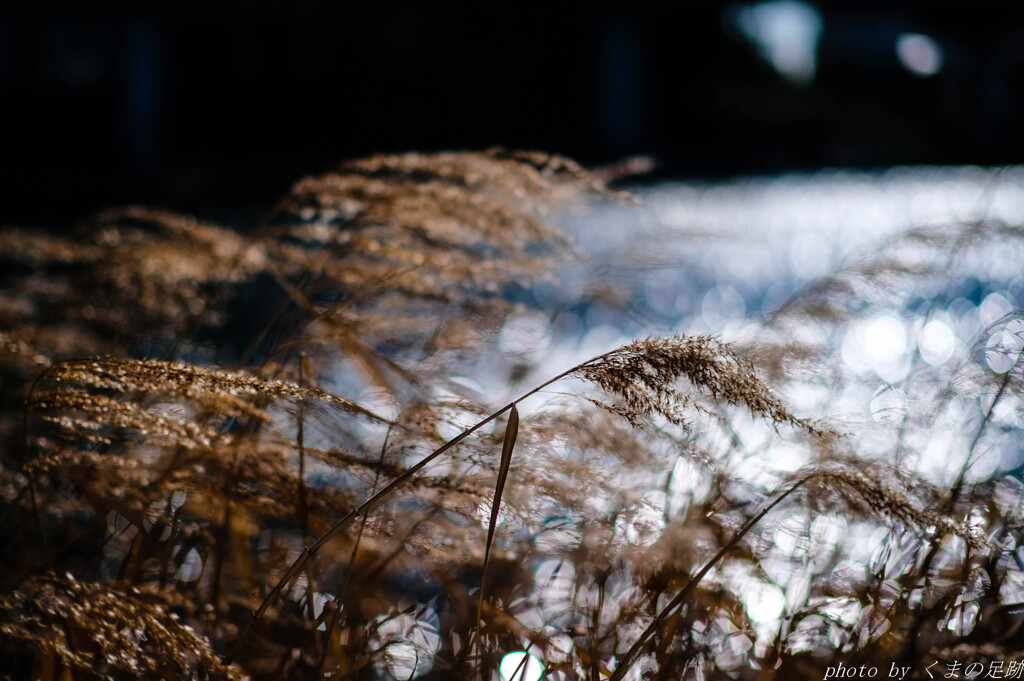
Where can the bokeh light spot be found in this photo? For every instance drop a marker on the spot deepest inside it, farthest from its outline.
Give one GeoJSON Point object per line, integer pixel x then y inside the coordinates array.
{"type": "Point", "coordinates": [936, 343]}
{"type": "Point", "coordinates": [520, 666]}
{"type": "Point", "coordinates": [888, 405]}
{"type": "Point", "coordinates": [919, 54]}
{"type": "Point", "coordinates": [1004, 346]}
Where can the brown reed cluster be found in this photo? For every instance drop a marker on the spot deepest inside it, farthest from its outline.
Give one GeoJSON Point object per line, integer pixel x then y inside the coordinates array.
{"type": "Point", "coordinates": [263, 455]}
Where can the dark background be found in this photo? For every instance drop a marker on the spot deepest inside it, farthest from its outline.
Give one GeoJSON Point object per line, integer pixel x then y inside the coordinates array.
{"type": "Point", "coordinates": [216, 108]}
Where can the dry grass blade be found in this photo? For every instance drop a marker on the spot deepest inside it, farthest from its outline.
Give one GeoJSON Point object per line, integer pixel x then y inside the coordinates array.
{"type": "Point", "coordinates": [507, 445]}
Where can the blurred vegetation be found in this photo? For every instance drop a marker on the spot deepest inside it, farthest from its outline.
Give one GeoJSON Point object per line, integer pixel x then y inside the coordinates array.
{"type": "Point", "coordinates": [316, 450]}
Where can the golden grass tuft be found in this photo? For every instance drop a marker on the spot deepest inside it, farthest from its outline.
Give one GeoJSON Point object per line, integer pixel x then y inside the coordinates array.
{"type": "Point", "coordinates": [266, 455]}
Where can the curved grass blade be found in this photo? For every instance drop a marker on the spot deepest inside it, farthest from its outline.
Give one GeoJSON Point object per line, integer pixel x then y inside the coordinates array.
{"type": "Point", "coordinates": [509, 443]}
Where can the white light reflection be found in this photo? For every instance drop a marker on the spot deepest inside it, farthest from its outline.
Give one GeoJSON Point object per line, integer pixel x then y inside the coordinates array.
{"type": "Point", "coordinates": [807, 636]}
{"type": "Point", "coordinates": [554, 584]}
{"type": "Point", "coordinates": [842, 613]}
{"type": "Point", "coordinates": [646, 521]}
{"type": "Point", "coordinates": [191, 568]}
{"type": "Point", "coordinates": [1012, 588]}
{"type": "Point", "coordinates": [690, 483]}
{"type": "Point", "coordinates": [721, 305]}
{"type": "Point", "coordinates": [995, 306]}
{"type": "Point", "coordinates": [786, 32]}
{"type": "Point", "coordinates": [525, 333]}
{"type": "Point", "coordinates": [810, 256]}
{"type": "Point", "coordinates": [962, 619]}
{"type": "Point", "coordinates": [880, 344]}
{"type": "Point", "coordinates": [919, 54]}
{"type": "Point", "coordinates": [939, 460]}
{"type": "Point", "coordinates": [936, 343]}
{"type": "Point", "coordinates": [1004, 347]}
{"type": "Point", "coordinates": [828, 534]}
{"type": "Point", "coordinates": [888, 405]}
{"type": "Point", "coordinates": [559, 535]}
{"type": "Point", "coordinates": [379, 401]}
{"type": "Point", "coordinates": [560, 644]}
{"type": "Point", "coordinates": [483, 513]}
{"type": "Point", "coordinates": [874, 622]}
{"type": "Point", "coordinates": [409, 643]}
{"type": "Point", "coordinates": [732, 644]}
{"type": "Point", "coordinates": [765, 602]}
{"type": "Point", "coordinates": [986, 459]}
{"type": "Point", "coordinates": [520, 666]}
